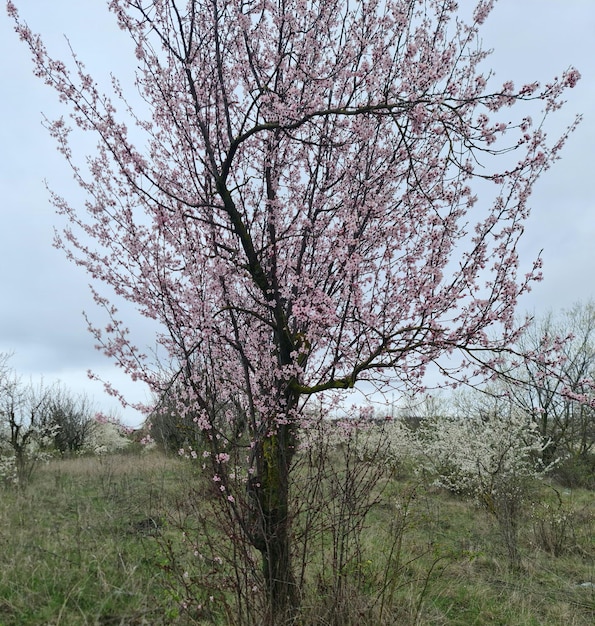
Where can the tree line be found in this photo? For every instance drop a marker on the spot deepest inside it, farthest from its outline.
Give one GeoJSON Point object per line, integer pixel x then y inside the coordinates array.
{"type": "Point", "coordinates": [39, 421]}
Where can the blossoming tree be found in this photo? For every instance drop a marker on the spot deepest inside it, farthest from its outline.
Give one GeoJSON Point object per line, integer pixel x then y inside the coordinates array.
{"type": "Point", "coordinates": [558, 395]}
{"type": "Point", "coordinates": [489, 450]}
{"type": "Point", "coordinates": [297, 211]}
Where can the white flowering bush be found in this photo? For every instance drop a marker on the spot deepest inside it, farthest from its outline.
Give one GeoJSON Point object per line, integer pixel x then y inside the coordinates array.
{"type": "Point", "coordinates": [384, 441]}
{"type": "Point", "coordinates": [19, 460]}
{"type": "Point", "coordinates": [107, 436]}
{"type": "Point", "coordinates": [481, 456]}
{"type": "Point", "coordinates": [494, 458]}
{"type": "Point", "coordinates": [8, 468]}
{"type": "Point", "coordinates": [390, 443]}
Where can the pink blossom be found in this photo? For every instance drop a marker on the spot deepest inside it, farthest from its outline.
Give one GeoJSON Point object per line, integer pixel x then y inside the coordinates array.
{"type": "Point", "coordinates": [571, 77]}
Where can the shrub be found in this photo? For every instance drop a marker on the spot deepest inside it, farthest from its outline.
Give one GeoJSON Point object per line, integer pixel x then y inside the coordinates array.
{"type": "Point", "coordinates": [494, 459]}
{"type": "Point", "coordinates": [576, 472]}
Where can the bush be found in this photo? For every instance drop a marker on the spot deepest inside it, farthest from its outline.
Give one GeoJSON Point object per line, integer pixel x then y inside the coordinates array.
{"type": "Point", "coordinates": [493, 458]}
{"type": "Point", "coordinates": [576, 472]}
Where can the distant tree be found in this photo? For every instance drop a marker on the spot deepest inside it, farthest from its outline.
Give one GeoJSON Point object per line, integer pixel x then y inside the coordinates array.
{"type": "Point", "coordinates": [297, 211]}
{"type": "Point", "coordinates": [419, 408]}
{"type": "Point", "coordinates": [169, 428]}
{"type": "Point", "coordinates": [24, 430]}
{"type": "Point", "coordinates": [71, 419]}
{"type": "Point", "coordinates": [173, 427]}
{"type": "Point", "coordinates": [557, 393]}
{"type": "Point", "coordinates": [36, 421]}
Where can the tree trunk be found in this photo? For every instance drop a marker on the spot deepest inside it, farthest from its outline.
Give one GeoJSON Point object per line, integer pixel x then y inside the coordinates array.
{"type": "Point", "coordinates": [274, 536]}
{"type": "Point", "coordinates": [508, 521]}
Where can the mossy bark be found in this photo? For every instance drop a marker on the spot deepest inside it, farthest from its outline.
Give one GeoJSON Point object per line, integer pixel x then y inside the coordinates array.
{"type": "Point", "coordinates": [274, 537]}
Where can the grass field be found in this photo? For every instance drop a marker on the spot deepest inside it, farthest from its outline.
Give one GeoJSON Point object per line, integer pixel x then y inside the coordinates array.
{"type": "Point", "coordinates": [84, 544]}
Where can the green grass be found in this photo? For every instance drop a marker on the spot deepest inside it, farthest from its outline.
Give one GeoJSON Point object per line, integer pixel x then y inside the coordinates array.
{"type": "Point", "coordinates": [71, 548]}
{"type": "Point", "coordinates": [84, 544]}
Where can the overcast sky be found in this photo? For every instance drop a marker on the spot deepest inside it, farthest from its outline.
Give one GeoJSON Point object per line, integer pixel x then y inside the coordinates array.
{"type": "Point", "coordinates": [42, 296]}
